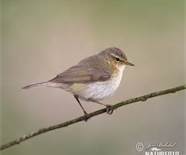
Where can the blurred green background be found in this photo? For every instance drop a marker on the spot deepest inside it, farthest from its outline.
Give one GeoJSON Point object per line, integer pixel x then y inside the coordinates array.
{"type": "Point", "coordinates": [41, 38]}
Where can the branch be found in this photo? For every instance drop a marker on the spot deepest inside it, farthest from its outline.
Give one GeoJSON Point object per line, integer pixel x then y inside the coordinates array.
{"type": "Point", "coordinates": [95, 113]}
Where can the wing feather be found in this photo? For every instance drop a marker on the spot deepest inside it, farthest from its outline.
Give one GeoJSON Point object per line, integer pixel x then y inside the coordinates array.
{"type": "Point", "coordinates": [81, 74]}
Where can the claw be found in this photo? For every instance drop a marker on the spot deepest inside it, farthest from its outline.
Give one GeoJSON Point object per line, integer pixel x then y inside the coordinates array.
{"type": "Point", "coordinates": [109, 109]}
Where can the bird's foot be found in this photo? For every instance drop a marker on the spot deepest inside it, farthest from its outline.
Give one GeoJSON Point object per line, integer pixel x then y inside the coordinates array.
{"type": "Point", "coordinates": [109, 109]}
{"type": "Point", "coordinates": [85, 116]}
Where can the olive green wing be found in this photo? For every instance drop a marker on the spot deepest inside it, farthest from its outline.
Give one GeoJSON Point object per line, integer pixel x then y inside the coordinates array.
{"type": "Point", "coordinates": [82, 74]}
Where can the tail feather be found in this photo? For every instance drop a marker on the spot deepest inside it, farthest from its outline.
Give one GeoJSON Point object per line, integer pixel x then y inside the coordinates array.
{"type": "Point", "coordinates": [35, 85]}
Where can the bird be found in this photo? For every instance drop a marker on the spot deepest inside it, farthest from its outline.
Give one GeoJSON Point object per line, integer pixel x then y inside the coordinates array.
{"type": "Point", "coordinates": [92, 79]}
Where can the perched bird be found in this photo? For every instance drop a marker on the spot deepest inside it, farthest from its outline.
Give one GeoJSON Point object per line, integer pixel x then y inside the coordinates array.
{"type": "Point", "coordinates": [93, 78]}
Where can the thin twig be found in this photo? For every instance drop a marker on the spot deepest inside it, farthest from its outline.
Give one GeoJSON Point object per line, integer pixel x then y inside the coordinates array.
{"type": "Point", "coordinates": [95, 113]}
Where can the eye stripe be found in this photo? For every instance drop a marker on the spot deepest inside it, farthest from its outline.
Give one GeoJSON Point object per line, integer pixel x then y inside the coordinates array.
{"type": "Point", "coordinates": [116, 57]}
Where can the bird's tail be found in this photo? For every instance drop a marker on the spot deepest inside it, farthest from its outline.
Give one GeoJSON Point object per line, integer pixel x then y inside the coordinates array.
{"type": "Point", "coordinates": [35, 85]}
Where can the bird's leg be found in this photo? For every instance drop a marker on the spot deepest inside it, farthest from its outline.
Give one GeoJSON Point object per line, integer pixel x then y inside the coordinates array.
{"type": "Point", "coordinates": [84, 111]}
{"type": "Point", "coordinates": [109, 108]}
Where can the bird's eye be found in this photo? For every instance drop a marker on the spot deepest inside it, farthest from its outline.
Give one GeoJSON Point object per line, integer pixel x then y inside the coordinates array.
{"type": "Point", "coordinates": [117, 59]}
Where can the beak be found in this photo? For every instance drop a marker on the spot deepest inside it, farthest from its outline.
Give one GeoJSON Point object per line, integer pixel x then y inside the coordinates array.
{"type": "Point", "coordinates": [128, 63]}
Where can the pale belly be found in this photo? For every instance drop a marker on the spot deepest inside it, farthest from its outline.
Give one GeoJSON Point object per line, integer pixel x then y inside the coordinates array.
{"type": "Point", "coordinates": [98, 90]}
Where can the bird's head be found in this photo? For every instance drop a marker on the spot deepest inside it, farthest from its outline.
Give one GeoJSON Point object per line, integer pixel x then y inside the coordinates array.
{"type": "Point", "coordinates": [115, 57]}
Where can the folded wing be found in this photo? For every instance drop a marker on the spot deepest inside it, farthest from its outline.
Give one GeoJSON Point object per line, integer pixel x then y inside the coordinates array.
{"type": "Point", "coordinates": [81, 74]}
